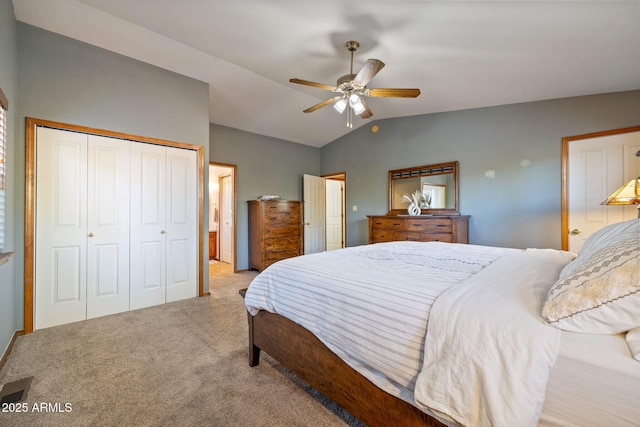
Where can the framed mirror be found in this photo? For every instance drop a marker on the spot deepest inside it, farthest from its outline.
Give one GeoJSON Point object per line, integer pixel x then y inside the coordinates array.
{"type": "Point", "coordinates": [437, 185]}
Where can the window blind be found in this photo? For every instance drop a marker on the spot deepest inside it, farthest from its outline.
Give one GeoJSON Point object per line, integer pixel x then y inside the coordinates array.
{"type": "Point", "coordinates": [3, 136]}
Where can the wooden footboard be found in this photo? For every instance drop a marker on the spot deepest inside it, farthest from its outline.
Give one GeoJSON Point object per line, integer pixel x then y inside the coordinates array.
{"type": "Point", "coordinates": [305, 355]}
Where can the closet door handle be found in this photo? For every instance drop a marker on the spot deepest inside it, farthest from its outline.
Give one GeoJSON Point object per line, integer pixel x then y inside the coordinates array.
{"type": "Point", "coordinates": [90, 234]}
{"type": "Point", "coordinates": [163, 232]}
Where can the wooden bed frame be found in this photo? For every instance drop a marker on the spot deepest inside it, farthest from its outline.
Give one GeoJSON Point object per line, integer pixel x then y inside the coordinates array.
{"type": "Point", "coordinates": [301, 352]}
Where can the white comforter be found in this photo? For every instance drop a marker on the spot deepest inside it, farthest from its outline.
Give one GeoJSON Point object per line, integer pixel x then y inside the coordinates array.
{"type": "Point", "coordinates": [488, 353]}
{"type": "Point", "coordinates": [371, 304]}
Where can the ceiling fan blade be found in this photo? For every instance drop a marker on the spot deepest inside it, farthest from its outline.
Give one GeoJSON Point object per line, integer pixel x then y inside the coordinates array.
{"type": "Point", "coordinates": [314, 84]}
{"type": "Point", "coordinates": [322, 104]}
{"type": "Point", "coordinates": [393, 93]}
{"type": "Point", "coordinates": [367, 72]}
{"type": "Point", "coordinates": [367, 111]}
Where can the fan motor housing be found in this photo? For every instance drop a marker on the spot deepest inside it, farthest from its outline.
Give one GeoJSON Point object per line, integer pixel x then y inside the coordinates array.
{"type": "Point", "coordinates": [347, 78]}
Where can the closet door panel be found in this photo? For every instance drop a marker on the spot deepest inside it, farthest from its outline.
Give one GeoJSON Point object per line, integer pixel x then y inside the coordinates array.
{"type": "Point", "coordinates": [108, 226]}
{"type": "Point", "coordinates": [148, 225]}
{"type": "Point", "coordinates": [61, 229]}
{"type": "Point", "coordinates": [182, 220]}
{"type": "Point", "coordinates": [116, 226]}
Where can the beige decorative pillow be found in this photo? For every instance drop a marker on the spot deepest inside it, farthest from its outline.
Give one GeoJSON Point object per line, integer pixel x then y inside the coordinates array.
{"type": "Point", "coordinates": [600, 293]}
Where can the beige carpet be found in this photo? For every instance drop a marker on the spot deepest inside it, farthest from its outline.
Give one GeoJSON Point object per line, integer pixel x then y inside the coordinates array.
{"type": "Point", "coordinates": [178, 364]}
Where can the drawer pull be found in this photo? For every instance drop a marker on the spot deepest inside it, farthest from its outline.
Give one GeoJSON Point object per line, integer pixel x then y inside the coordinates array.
{"type": "Point", "coordinates": [396, 223]}
{"type": "Point", "coordinates": [441, 225]}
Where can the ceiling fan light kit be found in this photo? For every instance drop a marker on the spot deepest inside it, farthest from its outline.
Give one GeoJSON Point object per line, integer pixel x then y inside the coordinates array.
{"type": "Point", "coordinates": [340, 105]}
{"type": "Point", "coordinates": [353, 88]}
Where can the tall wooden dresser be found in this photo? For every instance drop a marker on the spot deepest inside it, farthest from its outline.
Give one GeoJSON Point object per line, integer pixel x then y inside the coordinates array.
{"type": "Point", "coordinates": [275, 231]}
{"type": "Point", "coordinates": [423, 228]}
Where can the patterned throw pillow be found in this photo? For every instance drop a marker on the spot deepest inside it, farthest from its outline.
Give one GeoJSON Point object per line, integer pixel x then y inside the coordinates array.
{"type": "Point", "coordinates": [600, 292]}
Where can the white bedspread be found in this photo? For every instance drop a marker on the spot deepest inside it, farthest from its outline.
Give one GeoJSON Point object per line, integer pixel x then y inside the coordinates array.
{"type": "Point", "coordinates": [488, 352]}
{"type": "Point", "coordinates": [370, 304]}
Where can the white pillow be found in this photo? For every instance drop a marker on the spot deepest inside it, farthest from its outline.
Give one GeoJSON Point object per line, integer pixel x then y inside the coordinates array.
{"type": "Point", "coordinates": [599, 292]}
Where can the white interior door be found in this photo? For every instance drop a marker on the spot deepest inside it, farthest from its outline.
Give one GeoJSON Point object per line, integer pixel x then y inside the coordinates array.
{"type": "Point", "coordinates": [61, 227]}
{"type": "Point", "coordinates": [148, 225]}
{"type": "Point", "coordinates": [335, 213]}
{"type": "Point", "coordinates": [181, 224]}
{"type": "Point", "coordinates": [598, 167]}
{"type": "Point", "coordinates": [314, 188]}
{"type": "Point", "coordinates": [226, 208]}
{"type": "Point", "coordinates": [108, 226]}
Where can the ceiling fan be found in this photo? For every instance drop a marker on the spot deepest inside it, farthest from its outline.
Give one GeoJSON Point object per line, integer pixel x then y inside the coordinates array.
{"type": "Point", "coordinates": [353, 87]}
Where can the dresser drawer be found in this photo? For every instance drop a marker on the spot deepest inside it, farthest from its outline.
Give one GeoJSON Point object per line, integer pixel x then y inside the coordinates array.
{"type": "Point", "coordinates": [431, 225]}
{"type": "Point", "coordinates": [276, 217]}
{"type": "Point", "coordinates": [281, 243]}
{"type": "Point", "coordinates": [274, 256]}
{"type": "Point", "coordinates": [275, 206]}
{"type": "Point", "coordinates": [389, 223]}
{"type": "Point", "coordinates": [436, 237]}
{"type": "Point", "coordinates": [414, 236]}
{"type": "Point", "coordinates": [266, 264]}
{"type": "Point", "coordinates": [383, 235]}
{"type": "Point", "coordinates": [281, 230]}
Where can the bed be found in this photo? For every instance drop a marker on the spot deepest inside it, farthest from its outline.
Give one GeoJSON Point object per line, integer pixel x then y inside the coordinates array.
{"type": "Point", "coordinates": [413, 333]}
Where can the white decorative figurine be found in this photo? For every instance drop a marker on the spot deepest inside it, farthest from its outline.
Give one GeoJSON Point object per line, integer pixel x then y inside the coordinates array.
{"type": "Point", "coordinates": [414, 203]}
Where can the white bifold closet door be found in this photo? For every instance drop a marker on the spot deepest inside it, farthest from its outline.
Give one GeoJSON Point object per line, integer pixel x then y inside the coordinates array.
{"type": "Point", "coordinates": [82, 227]}
{"type": "Point", "coordinates": [163, 224]}
{"type": "Point", "coordinates": [116, 226]}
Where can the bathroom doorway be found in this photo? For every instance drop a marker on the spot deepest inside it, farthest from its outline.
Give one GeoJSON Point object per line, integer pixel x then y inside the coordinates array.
{"type": "Point", "coordinates": [222, 219]}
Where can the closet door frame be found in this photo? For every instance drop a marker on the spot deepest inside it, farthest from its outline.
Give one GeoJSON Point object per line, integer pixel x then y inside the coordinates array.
{"type": "Point", "coordinates": [30, 200]}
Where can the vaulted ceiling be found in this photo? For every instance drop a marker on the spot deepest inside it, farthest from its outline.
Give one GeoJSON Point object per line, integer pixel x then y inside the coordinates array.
{"type": "Point", "coordinates": [460, 54]}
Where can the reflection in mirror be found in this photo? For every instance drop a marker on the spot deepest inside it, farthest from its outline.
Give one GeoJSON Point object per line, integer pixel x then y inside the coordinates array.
{"type": "Point", "coordinates": [434, 196]}
{"type": "Point", "coordinates": [437, 183]}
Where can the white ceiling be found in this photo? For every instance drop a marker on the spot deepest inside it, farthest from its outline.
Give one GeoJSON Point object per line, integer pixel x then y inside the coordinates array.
{"type": "Point", "coordinates": [459, 54]}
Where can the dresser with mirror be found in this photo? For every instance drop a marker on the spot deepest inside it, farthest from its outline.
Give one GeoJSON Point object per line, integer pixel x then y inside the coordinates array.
{"type": "Point", "coordinates": [439, 217]}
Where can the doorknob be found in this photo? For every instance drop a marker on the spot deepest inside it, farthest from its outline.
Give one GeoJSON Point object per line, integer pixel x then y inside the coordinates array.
{"type": "Point", "coordinates": [575, 232]}
{"type": "Point", "coordinates": [90, 234]}
{"type": "Point", "coordinates": [163, 232]}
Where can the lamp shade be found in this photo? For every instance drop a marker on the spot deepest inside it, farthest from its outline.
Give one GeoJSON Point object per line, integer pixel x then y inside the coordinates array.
{"type": "Point", "coordinates": [356, 103]}
{"type": "Point", "coordinates": [340, 105]}
{"type": "Point", "coordinates": [628, 194]}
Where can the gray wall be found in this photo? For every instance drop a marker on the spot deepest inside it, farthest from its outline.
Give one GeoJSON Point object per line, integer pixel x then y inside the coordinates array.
{"type": "Point", "coordinates": [521, 206]}
{"type": "Point", "coordinates": [68, 81]}
{"type": "Point", "coordinates": [265, 165]}
{"type": "Point", "coordinates": [10, 302]}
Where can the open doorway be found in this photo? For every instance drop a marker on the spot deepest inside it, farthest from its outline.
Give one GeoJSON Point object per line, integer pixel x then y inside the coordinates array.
{"type": "Point", "coordinates": [324, 212]}
{"type": "Point", "coordinates": [222, 219]}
